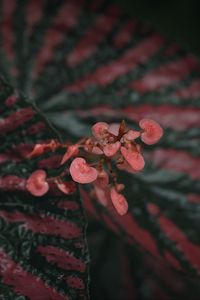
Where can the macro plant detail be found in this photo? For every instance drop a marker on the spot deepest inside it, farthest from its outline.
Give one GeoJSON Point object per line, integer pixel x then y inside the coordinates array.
{"type": "Point", "coordinates": [93, 158]}
{"type": "Point", "coordinates": [84, 212]}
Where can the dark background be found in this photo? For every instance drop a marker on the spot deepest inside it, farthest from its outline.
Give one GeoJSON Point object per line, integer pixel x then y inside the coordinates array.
{"type": "Point", "coordinates": [177, 19]}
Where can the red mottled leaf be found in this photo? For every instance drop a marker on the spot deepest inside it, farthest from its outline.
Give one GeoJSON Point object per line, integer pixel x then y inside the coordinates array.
{"type": "Point", "coordinates": [108, 73]}
{"type": "Point", "coordinates": [166, 75]}
{"type": "Point", "coordinates": [42, 238]}
{"type": "Point", "coordinates": [80, 71]}
{"type": "Point", "coordinates": [24, 282]}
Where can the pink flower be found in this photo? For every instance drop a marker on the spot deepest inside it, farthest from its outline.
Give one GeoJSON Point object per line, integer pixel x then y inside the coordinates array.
{"type": "Point", "coordinates": [119, 202]}
{"type": "Point", "coordinates": [111, 149]}
{"type": "Point", "coordinates": [131, 135]}
{"type": "Point", "coordinates": [152, 131]}
{"type": "Point", "coordinates": [37, 184]}
{"type": "Point", "coordinates": [81, 172]}
{"type": "Point", "coordinates": [134, 158]}
{"type": "Point", "coordinates": [99, 130]}
{"type": "Point", "coordinates": [66, 187]}
{"type": "Point", "coordinates": [71, 151]}
{"type": "Point", "coordinates": [102, 180]}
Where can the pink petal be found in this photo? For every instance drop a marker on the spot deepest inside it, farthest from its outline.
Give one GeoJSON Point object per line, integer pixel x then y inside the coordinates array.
{"type": "Point", "coordinates": [152, 131]}
{"type": "Point", "coordinates": [126, 167]}
{"type": "Point", "coordinates": [119, 202]}
{"type": "Point", "coordinates": [111, 149]}
{"type": "Point", "coordinates": [37, 184]}
{"type": "Point", "coordinates": [134, 158]}
{"type": "Point", "coordinates": [102, 180]}
{"type": "Point", "coordinates": [71, 151]}
{"type": "Point", "coordinates": [131, 135]}
{"type": "Point", "coordinates": [102, 195]}
{"type": "Point", "coordinates": [97, 150]}
{"type": "Point", "coordinates": [81, 172]}
{"type": "Point", "coordinates": [114, 128]}
{"type": "Point", "coordinates": [99, 130]}
{"type": "Point", "coordinates": [66, 187]}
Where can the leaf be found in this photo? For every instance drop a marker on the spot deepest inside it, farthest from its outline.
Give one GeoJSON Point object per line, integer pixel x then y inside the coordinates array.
{"type": "Point", "coordinates": [79, 71]}
{"type": "Point", "coordinates": [43, 252]}
{"type": "Point", "coordinates": [159, 176]}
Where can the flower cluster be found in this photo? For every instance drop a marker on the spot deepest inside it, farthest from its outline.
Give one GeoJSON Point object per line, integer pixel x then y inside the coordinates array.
{"type": "Point", "coordinates": [92, 160]}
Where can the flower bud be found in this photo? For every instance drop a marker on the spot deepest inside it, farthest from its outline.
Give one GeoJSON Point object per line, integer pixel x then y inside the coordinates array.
{"type": "Point", "coordinates": [71, 151]}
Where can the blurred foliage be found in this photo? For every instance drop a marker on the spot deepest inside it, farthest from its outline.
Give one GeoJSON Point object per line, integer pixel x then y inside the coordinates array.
{"type": "Point", "coordinates": [177, 19]}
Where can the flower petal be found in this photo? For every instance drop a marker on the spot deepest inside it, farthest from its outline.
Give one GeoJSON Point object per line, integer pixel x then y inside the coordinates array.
{"type": "Point", "coordinates": [81, 172]}
{"type": "Point", "coordinates": [131, 135]}
{"type": "Point", "coordinates": [97, 150]}
{"type": "Point", "coordinates": [152, 131]}
{"type": "Point", "coordinates": [37, 184]}
{"type": "Point", "coordinates": [134, 158]}
{"type": "Point", "coordinates": [93, 149]}
{"type": "Point", "coordinates": [114, 128]}
{"type": "Point", "coordinates": [126, 167]}
{"type": "Point", "coordinates": [111, 149]}
{"type": "Point", "coordinates": [66, 187]}
{"type": "Point", "coordinates": [99, 130]}
{"type": "Point", "coordinates": [119, 202]}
